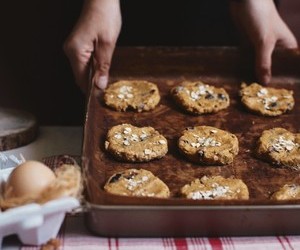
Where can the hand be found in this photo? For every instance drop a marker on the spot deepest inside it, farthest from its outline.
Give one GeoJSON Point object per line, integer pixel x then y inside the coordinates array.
{"type": "Point", "coordinates": [93, 41]}
{"type": "Point", "coordinates": [264, 28]}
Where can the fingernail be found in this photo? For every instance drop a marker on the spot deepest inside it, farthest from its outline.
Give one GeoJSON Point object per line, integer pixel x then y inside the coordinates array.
{"type": "Point", "coordinates": [102, 82]}
{"type": "Point", "coordinates": [266, 79]}
{"type": "Point", "coordinates": [264, 76]}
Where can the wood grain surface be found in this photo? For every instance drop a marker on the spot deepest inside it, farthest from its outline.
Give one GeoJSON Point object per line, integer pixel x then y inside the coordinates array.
{"type": "Point", "coordinates": [17, 128]}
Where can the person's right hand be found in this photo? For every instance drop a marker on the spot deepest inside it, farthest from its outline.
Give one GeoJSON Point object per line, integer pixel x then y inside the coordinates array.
{"type": "Point", "coordinates": [93, 41]}
{"type": "Point", "coordinates": [265, 29]}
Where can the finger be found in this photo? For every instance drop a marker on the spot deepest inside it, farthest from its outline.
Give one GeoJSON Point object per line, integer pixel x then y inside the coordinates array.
{"type": "Point", "coordinates": [79, 61]}
{"type": "Point", "coordinates": [102, 60]}
{"type": "Point", "coordinates": [263, 61]}
{"type": "Point", "coordinates": [81, 74]}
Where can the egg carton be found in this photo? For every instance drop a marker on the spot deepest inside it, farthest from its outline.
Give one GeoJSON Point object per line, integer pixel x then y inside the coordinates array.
{"type": "Point", "coordinates": [33, 223]}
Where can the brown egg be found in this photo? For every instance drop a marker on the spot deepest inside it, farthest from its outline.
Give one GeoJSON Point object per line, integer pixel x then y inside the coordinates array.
{"type": "Point", "coordinates": [28, 179]}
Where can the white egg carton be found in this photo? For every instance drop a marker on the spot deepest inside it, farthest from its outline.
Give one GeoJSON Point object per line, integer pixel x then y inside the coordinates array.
{"type": "Point", "coordinates": [33, 223]}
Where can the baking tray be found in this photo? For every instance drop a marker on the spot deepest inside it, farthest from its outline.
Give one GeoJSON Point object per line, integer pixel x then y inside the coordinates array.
{"type": "Point", "coordinates": [111, 215]}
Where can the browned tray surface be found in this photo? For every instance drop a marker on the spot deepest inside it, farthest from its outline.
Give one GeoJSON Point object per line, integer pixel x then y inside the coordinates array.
{"type": "Point", "coordinates": [226, 67]}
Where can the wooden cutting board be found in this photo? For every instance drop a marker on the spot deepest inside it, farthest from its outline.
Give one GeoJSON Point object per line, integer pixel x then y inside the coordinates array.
{"type": "Point", "coordinates": [17, 128]}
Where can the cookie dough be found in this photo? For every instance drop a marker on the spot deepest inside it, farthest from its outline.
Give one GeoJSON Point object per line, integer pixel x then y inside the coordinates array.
{"type": "Point", "coordinates": [200, 98]}
{"type": "Point", "coordinates": [132, 95]}
{"type": "Point", "coordinates": [287, 192]}
{"type": "Point", "coordinates": [134, 182]}
{"type": "Point", "coordinates": [280, 147]}
{"type": "Point", "coordinates": [216, 188]}
{"type": "Point", "coordinates": [208, 145]}
{"type": "Point", "coordinates": [133, 144]}
{"type": "Point", "coordinates": [266, 100]}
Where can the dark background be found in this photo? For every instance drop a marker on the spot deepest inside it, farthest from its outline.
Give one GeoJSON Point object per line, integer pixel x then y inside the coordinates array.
{"type": "Point", "coordinates": [35, 74]}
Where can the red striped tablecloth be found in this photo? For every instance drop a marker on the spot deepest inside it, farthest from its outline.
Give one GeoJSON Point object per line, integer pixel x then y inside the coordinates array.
{"type": "Point", "coordinates": [73, 235]}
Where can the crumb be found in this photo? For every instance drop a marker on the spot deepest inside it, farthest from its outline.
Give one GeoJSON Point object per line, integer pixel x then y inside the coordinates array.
{"type": "Point", "coordinates": [52, 244]}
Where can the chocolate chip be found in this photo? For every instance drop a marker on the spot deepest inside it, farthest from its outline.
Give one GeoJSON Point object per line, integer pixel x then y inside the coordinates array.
{"type": "Point", "coordinates": [222, 97]}
{"type": "Point", "coordinates": [115, 178]}
{"type": "Point", "coordinates": [273, 104]}
{"type": "Point", "coordinates": [130, 176]}
{"type": "Point", "coordinates": [209, 96]}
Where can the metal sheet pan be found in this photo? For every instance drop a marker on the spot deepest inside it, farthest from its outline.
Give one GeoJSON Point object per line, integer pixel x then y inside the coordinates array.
{"type": "Point", "coordinates": [111, 215]}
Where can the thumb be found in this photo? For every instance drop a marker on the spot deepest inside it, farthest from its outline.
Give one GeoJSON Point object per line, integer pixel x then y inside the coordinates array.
{"type": "Point", "coordinates": [263, 61]}
{"type": "Point", "coordinates": [101, 64]}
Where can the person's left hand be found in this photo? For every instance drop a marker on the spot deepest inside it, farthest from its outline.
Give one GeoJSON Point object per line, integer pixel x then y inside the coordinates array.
{"type": "Point", "coordinates": [264, 28]}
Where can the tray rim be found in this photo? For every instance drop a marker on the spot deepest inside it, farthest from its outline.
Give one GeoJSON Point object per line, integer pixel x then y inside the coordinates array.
{"type": "Point", "coordinates": [192, 207]}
